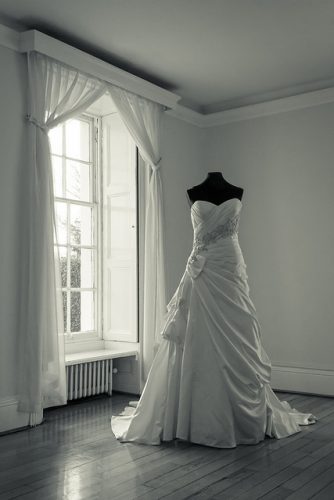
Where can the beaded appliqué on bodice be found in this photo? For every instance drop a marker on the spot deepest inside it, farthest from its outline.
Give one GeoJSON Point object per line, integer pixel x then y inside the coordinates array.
{"type": "Point", "coordinates": [228, 229]}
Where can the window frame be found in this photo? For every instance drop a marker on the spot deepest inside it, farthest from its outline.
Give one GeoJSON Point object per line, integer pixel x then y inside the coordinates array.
{"type": "Point", "coordinates": [96, 246]}
{"type": "Point", "coordinates": [96, 339]}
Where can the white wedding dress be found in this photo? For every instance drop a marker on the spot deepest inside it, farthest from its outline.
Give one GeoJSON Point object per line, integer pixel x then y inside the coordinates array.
{"type": "Point", "coordinates": [210, 379]}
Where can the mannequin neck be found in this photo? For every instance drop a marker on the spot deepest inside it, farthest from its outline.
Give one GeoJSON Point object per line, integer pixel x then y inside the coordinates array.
{"type": "Point", "coordinates": [217, 175]}
{"type": "Point", "coordinates": [216, 179]}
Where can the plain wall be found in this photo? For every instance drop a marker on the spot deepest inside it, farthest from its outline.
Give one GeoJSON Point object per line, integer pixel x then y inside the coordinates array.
{"type": "Point", "coordinates": [284, 162]}
{"type": "Point", "coordinates": [182, 150]}
{"type": "Point", "coordinates": [13, 84]}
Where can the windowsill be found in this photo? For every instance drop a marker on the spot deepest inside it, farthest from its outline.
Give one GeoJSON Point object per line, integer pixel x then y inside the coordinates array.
{"type": "Point", "coordinates": [100, 354]}
{"type": "Point", "coordinates": [84, 345]}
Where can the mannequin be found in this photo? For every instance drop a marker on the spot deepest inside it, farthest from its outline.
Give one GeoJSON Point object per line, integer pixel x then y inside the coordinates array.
{"type": "Point", "coordinates": [215, 189]}
{"type": "Point", "coordinates": [209, 382]}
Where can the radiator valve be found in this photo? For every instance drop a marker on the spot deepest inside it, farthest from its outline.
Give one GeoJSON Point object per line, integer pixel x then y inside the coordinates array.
{"type": "Point", "coordinates": [115, 370]}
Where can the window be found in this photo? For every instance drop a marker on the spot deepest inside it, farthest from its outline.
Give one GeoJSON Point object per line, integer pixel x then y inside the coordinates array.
{"type": "Point", "coordinates": [94, 162]}
{"type": "Point", "coordinates": [76, 190]}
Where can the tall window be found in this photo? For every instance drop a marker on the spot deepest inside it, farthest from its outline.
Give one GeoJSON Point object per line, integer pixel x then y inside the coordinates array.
{"type": "Point", "coordinates": [94, 161]}
{"type": "Point", "coordinates": [76, 188]}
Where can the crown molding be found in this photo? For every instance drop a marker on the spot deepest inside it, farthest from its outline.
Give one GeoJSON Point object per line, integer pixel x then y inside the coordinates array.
{"type": "Point", "coordinates": [187, 115]}
{"type": "Point", "coordinates": [35, 40]}
{"type": "Point", "coordinates": [276, 106]}
{"type": "Point", "coordinates": [252, 111]}
{"type": "Point", "coordinates": [9, 38]}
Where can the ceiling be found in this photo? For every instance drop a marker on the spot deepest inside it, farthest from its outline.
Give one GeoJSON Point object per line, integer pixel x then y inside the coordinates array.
{"type": "Point", "coordinates": [215, 54]}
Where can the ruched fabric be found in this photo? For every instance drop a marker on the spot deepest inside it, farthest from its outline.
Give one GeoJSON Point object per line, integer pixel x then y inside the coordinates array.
{"type": "Point", "coordinates": [210, 379]}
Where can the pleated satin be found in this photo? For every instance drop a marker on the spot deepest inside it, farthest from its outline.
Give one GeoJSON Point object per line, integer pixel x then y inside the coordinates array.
{"type": "Point", "coordinates": [210, 380]}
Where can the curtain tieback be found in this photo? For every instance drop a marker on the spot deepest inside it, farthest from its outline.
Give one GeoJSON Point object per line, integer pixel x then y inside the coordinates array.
{"type": "Point", "coordinates": [156, 166]}
{"type": "Point", "coordinates": [35, 122]}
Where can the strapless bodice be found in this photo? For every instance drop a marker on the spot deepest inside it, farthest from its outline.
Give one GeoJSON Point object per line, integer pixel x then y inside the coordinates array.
{"type": "Point", "coordinates": [214, 225]}
{"type": "Point", "coordinates": [212, 222]}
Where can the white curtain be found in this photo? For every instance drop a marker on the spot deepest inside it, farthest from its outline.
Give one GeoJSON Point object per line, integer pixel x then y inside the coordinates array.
{"type": "Point", "coordinates": [56, 93]}
{"type": "Point", "coordinates": [143, 120]}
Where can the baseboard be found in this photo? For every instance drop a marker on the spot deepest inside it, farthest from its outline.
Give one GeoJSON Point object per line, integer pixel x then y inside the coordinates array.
{"type": "Point", "coordinates": [284, 378]}
{"type": "Point", "coordinates": [302, 379]}
{"type": "Point", "coordinates": [10, 418]}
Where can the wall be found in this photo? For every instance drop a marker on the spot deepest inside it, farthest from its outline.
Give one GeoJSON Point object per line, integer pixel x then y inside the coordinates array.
{"type": "Point", "coordinates": [284, 162]}
{"type": "Point", "coordinates": [12, 147]}
{"type": "Point", "coordinates": [183, 155]}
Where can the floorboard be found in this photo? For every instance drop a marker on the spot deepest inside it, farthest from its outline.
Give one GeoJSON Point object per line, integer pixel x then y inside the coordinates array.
{"type": "Point", "coordinates": [73, 455]}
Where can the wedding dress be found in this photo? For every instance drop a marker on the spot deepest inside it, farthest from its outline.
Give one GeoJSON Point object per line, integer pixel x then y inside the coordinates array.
{"type": "Point", "coordinates": [210, 379]}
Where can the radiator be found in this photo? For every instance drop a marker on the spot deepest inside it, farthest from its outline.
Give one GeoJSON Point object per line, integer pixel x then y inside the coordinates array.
{"type": "Point", "coordinates": [88, 379]}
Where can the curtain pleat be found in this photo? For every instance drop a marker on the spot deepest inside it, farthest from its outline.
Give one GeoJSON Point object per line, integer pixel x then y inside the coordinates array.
{"type": "Point", "coordinates": [143, 120]}
{"type": "Point", "coordinates": [56, 93]}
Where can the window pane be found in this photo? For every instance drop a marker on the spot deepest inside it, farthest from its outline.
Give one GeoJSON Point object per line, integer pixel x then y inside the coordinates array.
{"type": "Point", "coordinates": [63, 265]}
{"type": "Point", "coordinates": [57, 171]}
{"type": "Point", "coordinates": [82, 311]}
{"type": "Point", "coordinates": [87, 268]}
{"type": "Point", "coordinates": [87, 311]}
{"type": "Point", "coordinates": [81, 225]}
{"type": "Point", "coordinates": [75, 267]}
{"type": "Point", "coordinates": [65, 310]}
{"type": "Point", "coordinates": [77, 139]}
{"type": "Point", "coordinates": [82, 268]}
{"type": "Point", "coordinates": [75, 312]}
{"type": "Point", "coordinates": [78, 181]}
{"type": "Point", "coordinates": [56, 140]}
{"type": "Point", "coordinates": [61, 222]}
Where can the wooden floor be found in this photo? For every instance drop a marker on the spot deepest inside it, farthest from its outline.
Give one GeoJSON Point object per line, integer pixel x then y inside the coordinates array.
{"type": "Point", "coordinates": [73, 455]}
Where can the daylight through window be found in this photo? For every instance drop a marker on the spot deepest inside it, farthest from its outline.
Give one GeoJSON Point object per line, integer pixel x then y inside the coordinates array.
{"type": "Point", "coordinates": [76, 207]}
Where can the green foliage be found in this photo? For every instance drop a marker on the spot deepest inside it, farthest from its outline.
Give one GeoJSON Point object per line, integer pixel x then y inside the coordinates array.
{"type": "Point", "coordinates": [75, 268]}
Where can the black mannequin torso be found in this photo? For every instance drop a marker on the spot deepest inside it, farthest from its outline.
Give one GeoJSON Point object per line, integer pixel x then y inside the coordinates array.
{"type": "Point", "coordinates": [215, 189]}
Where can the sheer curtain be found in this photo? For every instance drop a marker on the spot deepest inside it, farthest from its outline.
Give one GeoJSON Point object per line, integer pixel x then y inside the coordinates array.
{"type": "Point", "coordinates": [56, 93]}
{"type": "Point", "coordinates": [143, 119]}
